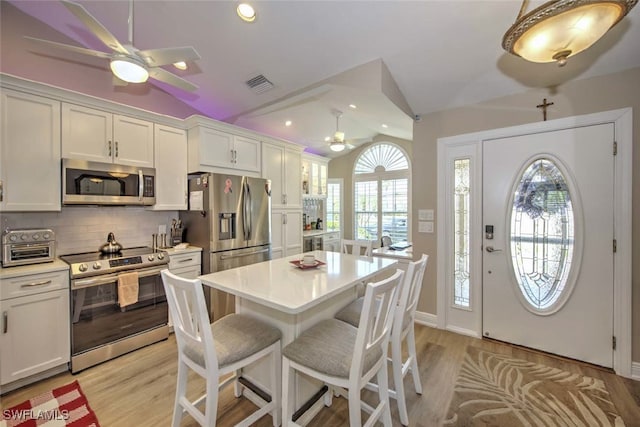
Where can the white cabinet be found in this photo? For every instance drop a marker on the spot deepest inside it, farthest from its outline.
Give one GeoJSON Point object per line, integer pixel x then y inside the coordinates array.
{"type": "Point", "coordinates": [29, 153]}
{"type": "Point", "coordinates": [35, 324]}
{"type": "Point", "coordinates": [170, 159]}
{"type": "Point", "coordinates": [186, 263]}
{"type": "Point", "coordinates": [213, 150]}
{"type": "Point", "coordinates": [314, 175]}
{"type": "Point", "coordinates": [282, 165]}
{"type": "Point", "coordinates": [100, 136]}
{"type": "Point", "coordinates": [286, 233]}
{"type": "Point", "coordinates": [331, 241]}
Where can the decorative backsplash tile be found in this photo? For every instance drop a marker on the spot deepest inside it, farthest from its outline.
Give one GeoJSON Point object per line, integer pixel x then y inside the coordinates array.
{"type": "Point", "coordinates": [85, 228]}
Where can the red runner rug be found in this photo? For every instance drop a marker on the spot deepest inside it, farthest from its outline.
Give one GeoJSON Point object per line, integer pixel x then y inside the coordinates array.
{"type": "Point", "coordinates": [64, 406]}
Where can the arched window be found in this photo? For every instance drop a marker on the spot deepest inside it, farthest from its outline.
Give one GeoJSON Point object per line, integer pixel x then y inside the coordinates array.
{"type": "Point", "coordinates": [381, 193]}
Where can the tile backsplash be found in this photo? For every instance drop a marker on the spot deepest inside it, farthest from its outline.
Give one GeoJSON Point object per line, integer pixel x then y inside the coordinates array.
{"type": "Point", "coordinates": [85, 228]}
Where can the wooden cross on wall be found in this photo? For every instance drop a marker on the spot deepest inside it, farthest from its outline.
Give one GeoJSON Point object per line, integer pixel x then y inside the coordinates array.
{"type": "Point", "coordinates": [544, 107]}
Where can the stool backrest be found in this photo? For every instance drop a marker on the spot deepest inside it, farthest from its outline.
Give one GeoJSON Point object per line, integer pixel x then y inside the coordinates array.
{"type": "Point", "coordinates": [408, 300]}
{"type": "Point", "coordinates": [376, 319]}
{"type": "Point", "coordinates": [357, 247]}
{"type": "Point", "coordinates": [190, 320]}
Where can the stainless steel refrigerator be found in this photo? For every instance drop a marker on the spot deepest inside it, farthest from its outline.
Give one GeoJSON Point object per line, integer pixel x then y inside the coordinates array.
{"type": "Point", "coordinates": [229, 217]}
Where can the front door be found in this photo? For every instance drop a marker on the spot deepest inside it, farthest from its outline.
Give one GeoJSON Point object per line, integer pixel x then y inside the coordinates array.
{"type": "Point", "coordinates": [548, 241]}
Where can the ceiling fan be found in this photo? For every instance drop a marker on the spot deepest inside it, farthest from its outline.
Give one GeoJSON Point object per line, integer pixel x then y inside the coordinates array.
{"type": "Point", "coordinates": [128, 63]}
{"type": "Point", "coordinates": [337, 142]}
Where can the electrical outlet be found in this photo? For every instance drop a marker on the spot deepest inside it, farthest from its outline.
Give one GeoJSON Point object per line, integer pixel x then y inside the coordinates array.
{"type": "Point", "coordinates": [425, 226]}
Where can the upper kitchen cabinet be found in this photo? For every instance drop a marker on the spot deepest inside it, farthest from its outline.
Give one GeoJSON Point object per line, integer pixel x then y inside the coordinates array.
{"type": "Point", "coordinates": [101, 136]}
{"type": "Point", "coordinates": [29, 153]}
{"type": "Point", "coordinates": [171, 168]}
{"type": "Point", "coordinates": [213, 148]}
{"type": "Point", "coordinates": [314, 175]}
{"type": "Point", "coordinates": [281, 163]}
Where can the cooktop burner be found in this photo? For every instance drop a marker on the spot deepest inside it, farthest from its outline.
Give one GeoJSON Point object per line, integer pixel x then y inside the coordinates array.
{"type": "Point", "coordinates": [96, 263]}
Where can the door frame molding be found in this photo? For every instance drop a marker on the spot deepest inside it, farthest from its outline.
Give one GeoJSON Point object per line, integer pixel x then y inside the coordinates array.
{"type": "Point", "coordinates": [469, 321]}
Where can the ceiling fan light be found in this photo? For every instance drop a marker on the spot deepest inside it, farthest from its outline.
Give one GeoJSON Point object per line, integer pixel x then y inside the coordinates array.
{"type": "Point", "coordinates": [129, 70]}
{"type": "Point", "coordinates": [562, 28]}
{"type": "Point", "coordinates": [338, 136]}
{"type": "Point", "coordinates": [336, 146]}
{"type": "Point", "coordinates": [180, 65]}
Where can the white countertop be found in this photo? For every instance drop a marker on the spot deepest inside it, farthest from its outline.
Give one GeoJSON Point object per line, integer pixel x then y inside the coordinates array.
{"type": "Point", "coordinates": [311, 233]}
{"type": "Point", "coordinates": [188, 249]}
{"type": "Point", "coordinates": [281, 285]}
{"type": "Point", "coordinates": [22, 270]}
{"type": "Point", "coordinates": [406, 254]}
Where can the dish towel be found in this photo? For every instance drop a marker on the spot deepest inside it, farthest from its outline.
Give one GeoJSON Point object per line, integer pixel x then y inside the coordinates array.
{"type": "Point", "coordinates": [127, 289]}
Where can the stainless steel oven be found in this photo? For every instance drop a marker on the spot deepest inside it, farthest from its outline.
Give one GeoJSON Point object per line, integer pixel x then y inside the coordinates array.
{"type": "Point", "coordinates": [100, 328]}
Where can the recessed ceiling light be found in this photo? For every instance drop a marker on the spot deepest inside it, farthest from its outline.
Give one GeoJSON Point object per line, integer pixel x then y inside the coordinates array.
{"type": "Point", "coordinates": [246, 12]}
{"type": "Point", "coordinates": [352, 106]}
{"type": "Point", "coordinates": [180, 65]}
{"type": "Point", "coordinates": [287, 123]}
{"type": "Point", "coordinates": [384, 126]}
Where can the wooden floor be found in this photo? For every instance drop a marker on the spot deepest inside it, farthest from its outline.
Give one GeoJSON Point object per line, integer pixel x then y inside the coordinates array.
{"type": "Point", "coordinates": [137, 389]}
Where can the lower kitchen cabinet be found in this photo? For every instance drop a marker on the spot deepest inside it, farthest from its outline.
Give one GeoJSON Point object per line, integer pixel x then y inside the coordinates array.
{"type": "Point", "coordinates": [185, 263]}
{"type": "Point", "coordinates": [331, 241]}
{"type": "Point", "coordinates": [34, 334]}
{"type": "Point", "coordinates": [286, 233]}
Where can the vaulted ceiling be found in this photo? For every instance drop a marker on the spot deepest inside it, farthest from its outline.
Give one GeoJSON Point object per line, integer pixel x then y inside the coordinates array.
{"type": "Point", "coordinates": [391, 59]}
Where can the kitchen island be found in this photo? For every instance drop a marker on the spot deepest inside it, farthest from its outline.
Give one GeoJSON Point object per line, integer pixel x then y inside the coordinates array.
{"type": "Point", "coordinates": [294, 299]}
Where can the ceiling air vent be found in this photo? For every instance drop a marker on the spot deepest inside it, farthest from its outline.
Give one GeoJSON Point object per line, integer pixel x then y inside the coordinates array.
{"type": "Point", "coordinates": [259, 84]}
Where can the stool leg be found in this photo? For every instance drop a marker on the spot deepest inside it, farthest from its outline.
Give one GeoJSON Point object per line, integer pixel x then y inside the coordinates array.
{"type": "Point", "coordinates": [383, 394]}
{"type": "Point", "coordinates": [181, 390]}
{"type": "Point", "coordinates": [411, 344]}
{"type": "Point", "coordinates": [355, 418]}
{"type": "Point", "coordinates": [287, 392]}
{"type": "Point", "coordinates": [398, 382]}
{"type": "Point", "coordinates": [276, 384]}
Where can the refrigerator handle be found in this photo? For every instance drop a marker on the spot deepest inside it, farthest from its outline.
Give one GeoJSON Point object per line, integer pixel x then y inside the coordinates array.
{"type": "Point", "coordinates": [247, 207]}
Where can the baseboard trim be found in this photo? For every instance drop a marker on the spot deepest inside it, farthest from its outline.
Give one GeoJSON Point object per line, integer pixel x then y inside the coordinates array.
{"type": "Point", "coordinates": [463, 331]}
{"type": "Point", "coordinates": [426, 319]}
{"type": "Point", "coordinates": [635, 371]}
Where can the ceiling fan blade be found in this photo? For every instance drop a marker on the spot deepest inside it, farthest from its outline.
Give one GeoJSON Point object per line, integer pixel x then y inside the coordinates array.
{"type": "Point", "coordinates": [95, 26]}
{"type": "Point", "coordinates": [71, 48]}
{"type": "Point", "coordinates": [169, 55]}
{"type": "Point", "coordinates": [169, 78]}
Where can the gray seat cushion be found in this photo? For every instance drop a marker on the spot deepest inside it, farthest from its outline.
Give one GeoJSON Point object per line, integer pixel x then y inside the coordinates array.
{"type": "Point", "coordinates": [328, 347]}
{"type": "Point", "coordinates": [236, 336]}
{"type": "Point", "coordinates": [351, 313]}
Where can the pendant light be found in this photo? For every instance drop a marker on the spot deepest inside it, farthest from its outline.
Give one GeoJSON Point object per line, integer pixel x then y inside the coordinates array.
{"type": "Point", "coordinates": [129, 69]}
{"type": "Point", "coordinates": [560, 29]}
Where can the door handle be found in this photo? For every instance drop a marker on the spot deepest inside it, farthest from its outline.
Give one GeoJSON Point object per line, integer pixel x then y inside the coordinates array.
{"type": "Point", "coordinates": [490, 249]}
{"type": "Point", "coordinates": [5, 316]}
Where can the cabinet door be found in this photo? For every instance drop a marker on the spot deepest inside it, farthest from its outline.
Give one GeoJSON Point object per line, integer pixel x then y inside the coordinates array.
{"type": "Point", "coordinates": [171, 168]}
{"type": "Point", "coordinates": [247, 154]}
{"type": "Point", "coordinates": [216, 148]}
{"type": "Point", "coordinates": [293, 232]}
{"type": "Point", "coordinates": [293, 178]}
{"type": "Point", "coordinates": [133, 141]}
{"type": "Point", "coordinates": [322, 179]}
{"type": "Point", "coordinates": [273, 167]}
{"type": "Point", "coordinates": [35, 334]}
{"type": "Point", "coordinates": [29, 153]}
{"type": "Point", "coordinates": [87, 133]}
{"type": "Point", "coordinates": [277, 231]}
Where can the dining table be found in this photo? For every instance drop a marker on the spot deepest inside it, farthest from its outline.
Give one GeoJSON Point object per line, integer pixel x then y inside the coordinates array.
{"type": "Point", "coordinates": [293, 297]}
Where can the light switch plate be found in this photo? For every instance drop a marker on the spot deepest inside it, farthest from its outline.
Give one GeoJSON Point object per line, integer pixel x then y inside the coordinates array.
{"type": "Point", "coordinates": [425, 226]}
{"type": "Point", "coordinates": [425, 214]}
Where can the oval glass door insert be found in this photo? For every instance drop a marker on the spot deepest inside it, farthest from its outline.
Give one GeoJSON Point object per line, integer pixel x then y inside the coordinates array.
{"type": "Point", "coordinates": [542, 236]}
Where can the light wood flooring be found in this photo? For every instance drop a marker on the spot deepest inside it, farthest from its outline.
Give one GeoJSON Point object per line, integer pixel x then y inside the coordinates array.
{"type": "Point", "coordinates": [137, 389]}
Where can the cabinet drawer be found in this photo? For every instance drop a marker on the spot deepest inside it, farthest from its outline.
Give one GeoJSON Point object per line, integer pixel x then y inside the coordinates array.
{"type": "Point", "coordinates": [32, 284]}
{"type": "Point", "coordinates": [187, 272]}
{"type": "Point", "coordinates": [184, 260]}
{"type": "Point", "coordinates": [335, 235]}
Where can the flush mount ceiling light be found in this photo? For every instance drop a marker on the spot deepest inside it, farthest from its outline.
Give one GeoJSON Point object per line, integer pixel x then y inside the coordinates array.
{"type": "Point", "coordinates": [560, 29]}
{"type": "Point", "coordinates": [337, 142]}
{"type": "Point", "coordinates": [246, 12]}
{"type": "Point", "coordinates": [128, 69]}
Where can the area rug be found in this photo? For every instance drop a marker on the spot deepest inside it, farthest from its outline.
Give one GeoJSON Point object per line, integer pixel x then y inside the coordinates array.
{"type": "Point", "coordinates": [496, 390]}
{"type": "Point", "coordinates": [64, 406]}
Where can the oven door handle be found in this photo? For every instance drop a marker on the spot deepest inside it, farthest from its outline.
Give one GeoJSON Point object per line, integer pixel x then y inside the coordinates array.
{"type": "Point", "coordinates": [110, 278]}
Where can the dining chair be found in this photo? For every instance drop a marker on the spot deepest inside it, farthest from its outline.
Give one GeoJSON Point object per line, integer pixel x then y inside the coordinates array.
{"type": "Point", "coordinates": [215, 350]}
{"type": "Point", "coordinates": [403, 328]}
{"type": "Point", "coordinates": [345, 357]}
{"type": "Point", "coordinates": [357, 247]}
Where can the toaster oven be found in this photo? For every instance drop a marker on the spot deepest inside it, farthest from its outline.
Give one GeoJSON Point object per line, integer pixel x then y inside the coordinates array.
{"type": "Point", "coordinates": [28, 246]}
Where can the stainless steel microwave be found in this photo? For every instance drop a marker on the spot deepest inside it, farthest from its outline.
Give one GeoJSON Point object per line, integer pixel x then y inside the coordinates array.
{"type": "Point", "coordinates": [95, 183]}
